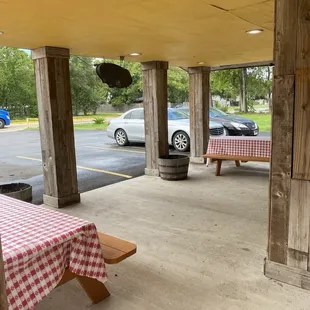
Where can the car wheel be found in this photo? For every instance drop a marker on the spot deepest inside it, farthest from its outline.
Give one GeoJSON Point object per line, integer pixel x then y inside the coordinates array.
{"type": "Point", "coordinates": [121, 137]}
{"type": "Point", "coordinates": [181, 141]}
{"type": "Point", "coordinates": [2, 123]}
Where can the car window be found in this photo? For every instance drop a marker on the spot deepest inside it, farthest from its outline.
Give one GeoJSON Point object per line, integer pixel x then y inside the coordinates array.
{"type": "Point", "coordinates": [137, 114]}
{"type": "Point", "coordinates": [217, 113]}
{"type": "Point", "coordinates": [175, 115]}
{"type": "Point", "coordinates": [128, 116]}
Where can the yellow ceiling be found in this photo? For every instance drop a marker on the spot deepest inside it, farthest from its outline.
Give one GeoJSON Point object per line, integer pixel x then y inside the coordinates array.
{"type": "Point", "coordinates": [183, 32]}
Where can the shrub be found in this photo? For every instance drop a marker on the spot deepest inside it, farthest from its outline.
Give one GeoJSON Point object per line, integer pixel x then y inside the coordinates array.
{"type": "Point", "coordinates": [99, 120]}
{"type": "Point", "coordinates": [224, 109]}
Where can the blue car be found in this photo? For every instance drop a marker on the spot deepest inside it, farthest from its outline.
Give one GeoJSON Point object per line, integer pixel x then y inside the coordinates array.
{"type": "Point", "coordinates": [4, 119]}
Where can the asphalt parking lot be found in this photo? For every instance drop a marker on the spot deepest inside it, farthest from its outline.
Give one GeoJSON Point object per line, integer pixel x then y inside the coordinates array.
{"type": "Point", "coordinates": [100, 161]}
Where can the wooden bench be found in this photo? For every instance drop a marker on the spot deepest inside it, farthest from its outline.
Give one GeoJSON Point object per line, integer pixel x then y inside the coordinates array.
{"type": "Point", "coordinates": [114, 251]}
{"type": "Point", "coordinates": [219, 158]}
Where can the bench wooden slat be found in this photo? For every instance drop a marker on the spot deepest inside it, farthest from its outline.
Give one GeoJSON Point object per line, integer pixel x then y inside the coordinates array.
{"type": "Point", "coordinates": [114, 249]}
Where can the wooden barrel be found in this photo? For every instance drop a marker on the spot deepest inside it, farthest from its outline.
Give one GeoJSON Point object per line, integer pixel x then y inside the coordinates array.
{"type": "Point", "coordinates": [21, 191]}
{"type": "Point", "coordinates": [173, 167]}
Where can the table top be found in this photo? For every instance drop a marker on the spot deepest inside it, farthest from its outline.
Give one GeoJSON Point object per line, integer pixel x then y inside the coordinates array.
{"type": "Point", "coordinates": [242, 138]}
{"type": "Point", "coordinates": [38, 245]}
{"type": "Point", "coordinates": [240, 146]}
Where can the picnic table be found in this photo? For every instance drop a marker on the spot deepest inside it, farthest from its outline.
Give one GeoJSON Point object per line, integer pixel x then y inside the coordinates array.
{"type": "Point", "coordinates": [39, 245]}
{"type": "Point", "coordinates": [238, 149]}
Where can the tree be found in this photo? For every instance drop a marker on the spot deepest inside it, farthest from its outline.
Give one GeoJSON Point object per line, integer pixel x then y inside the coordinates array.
{"type": "Point", "coordinates": [178, 85]}
{"type": "Point", "coordinates": [85, 86]}
{"type": "Point", "coordinates": [17, 83]}
{"type": "Point", "coordinates": [119, 96]}
{"type": "Point", "coordinates": [243, 90]}
{"type": "Point", "coordinates": [249, 84]}
{"type": "Point", "coordinates": [226, 84]}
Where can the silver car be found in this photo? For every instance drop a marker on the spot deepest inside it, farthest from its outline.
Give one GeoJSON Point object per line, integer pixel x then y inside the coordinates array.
{"type": "Point", "coordinates": [130, 128]}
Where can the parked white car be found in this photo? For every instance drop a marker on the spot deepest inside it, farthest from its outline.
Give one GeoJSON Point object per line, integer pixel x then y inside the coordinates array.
{"type": "Point", "coordinates": [130, 128]}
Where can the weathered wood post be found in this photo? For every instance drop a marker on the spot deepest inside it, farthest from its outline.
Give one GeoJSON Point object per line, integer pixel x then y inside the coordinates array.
{"type": "Point", "coordinates": [3, 297]}
{"type": "Point", "coordinates": [56, 126]}
{"type": "Point", "coordinates": [199, 100]}
{"type": "Point", "coordinates": [288, 247]}
{"type": "Point", "coordinates": [155, 93]}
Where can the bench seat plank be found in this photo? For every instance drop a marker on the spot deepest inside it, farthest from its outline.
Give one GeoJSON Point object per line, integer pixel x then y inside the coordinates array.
{"type": "Point", "coordinates": [115, 250]}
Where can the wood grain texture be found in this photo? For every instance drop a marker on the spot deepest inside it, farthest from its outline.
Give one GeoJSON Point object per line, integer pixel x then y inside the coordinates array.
{"type": "Point", "coordinates": [301, 153]}
{"type": "Point", "coordinates": [56, 125]}
{"type": "Point", "coordinates": [155, 94]}
{"type": "Point", "coordinates": [199, 99]}
{"type": "Point", "coordinates": [280, 171]}
{"type": "Point", "coordinates": [285, 37]}
{"type": "Point", "coordinates": [50, 51]}
{"type": "Point", "coordinates": [299, 219]}
{"type": "Point", "coordinates": [95, 290]}
{"type": "Point", "coordinates": [114, 249]}
{"type": "Point", "coordinates": [287, 274]}
{"type": "Point", "coordinates": [3, 298]}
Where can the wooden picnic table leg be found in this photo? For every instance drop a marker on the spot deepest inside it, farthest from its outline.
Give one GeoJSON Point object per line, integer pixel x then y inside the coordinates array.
{"type": "Point", "coordinates": [237, 163]}
{"type": "Point", "coordinates": [218, 167]}
{"type": "Point", "coordinates": [95, 290]}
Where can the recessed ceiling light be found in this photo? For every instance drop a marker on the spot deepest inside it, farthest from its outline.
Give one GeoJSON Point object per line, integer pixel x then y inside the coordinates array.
{"type": "Point", "coordinates": [135, 54]}
{"type": "Point", "coordinates": [201, 63]}
{"type": "Point", "coordinates": [255, 31]}
{"type": "Point", "coordinates": [1, 32]}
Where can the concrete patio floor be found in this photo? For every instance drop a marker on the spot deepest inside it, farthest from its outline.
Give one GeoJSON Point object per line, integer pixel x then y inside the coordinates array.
{"type": "Point", "coordinates": [201, 244]}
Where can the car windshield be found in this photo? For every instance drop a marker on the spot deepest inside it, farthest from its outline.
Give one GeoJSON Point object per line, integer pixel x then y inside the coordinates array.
{"type": "Point", "coordinates": [217, 113]}
{"type": "Point", "coordinates": [185, 111]}
{"type": "Point", "coordinates": [176, 115]}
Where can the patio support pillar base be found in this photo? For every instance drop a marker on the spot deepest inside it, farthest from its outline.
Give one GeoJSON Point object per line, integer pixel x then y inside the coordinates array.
{"type": "Point", "coordinates": [61, 202]}
{"type": "Point", "coordinates": [151, 172]}
{"type": "Point", "coordinates": [197, 160]}
{"type": "Point", "coordinates": [289, 213]}
{"type": "Point", "coordinates": [56, 125]}
{"type": "Point", "coordinates": [199, 101]}
{"type": "Point", "coordinates": [155, 94]}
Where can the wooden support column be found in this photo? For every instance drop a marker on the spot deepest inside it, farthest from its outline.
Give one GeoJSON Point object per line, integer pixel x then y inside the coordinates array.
{"type": "Point", "coordinates": [3, 297]}
{"type": "Point", "coordinates": [155, 113]}
{"type": "Point", "coordinates": [56, 126]}
{"type": "Point", "coordinates": [289, 230]}
{"type": "Point", "coordinates": [199, 100]}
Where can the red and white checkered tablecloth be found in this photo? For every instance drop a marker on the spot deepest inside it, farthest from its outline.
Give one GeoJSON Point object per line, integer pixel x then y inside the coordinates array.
{"type": "Point", "coordinates": [240, 146]}
{"type": "Point", "coordinates": [38, 244]}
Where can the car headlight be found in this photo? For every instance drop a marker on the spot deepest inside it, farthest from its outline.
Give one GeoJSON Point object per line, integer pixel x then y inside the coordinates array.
{"type": "Point", "coordinates": [8, 117]}
{"type": "Point", "coordinates": [238, 125]}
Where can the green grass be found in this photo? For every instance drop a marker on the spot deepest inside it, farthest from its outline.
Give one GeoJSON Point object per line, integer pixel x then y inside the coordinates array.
{"type": "Point", "coordinates": [91, 126]}
{"type": "Point", "coordinates": [76, 118]}
{"type": "Point", "coordinates": [80, 127]}
{"type": "Point", "coordinates": [262, 120]}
